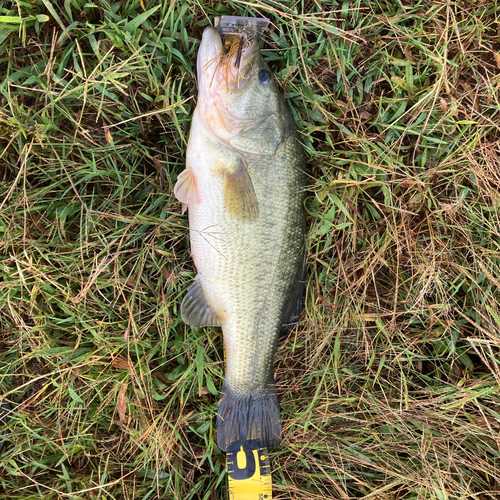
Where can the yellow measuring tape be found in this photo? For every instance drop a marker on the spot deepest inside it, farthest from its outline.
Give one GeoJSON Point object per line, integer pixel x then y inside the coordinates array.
{"type": "Point", "coordinates": [248, 471]}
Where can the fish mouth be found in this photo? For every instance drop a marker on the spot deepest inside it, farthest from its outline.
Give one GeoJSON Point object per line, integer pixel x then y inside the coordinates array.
{"type": "Point", "coordinates": [225, 63]}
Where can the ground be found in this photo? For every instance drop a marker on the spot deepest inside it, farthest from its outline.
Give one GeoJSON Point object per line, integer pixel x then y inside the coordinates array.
{"type": "Point", "coordinates": [389, 383]}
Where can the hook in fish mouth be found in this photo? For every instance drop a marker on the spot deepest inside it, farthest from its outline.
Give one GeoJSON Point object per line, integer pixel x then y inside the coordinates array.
{"type": "Point", "coordinates": [234, 44]}
{"type": "Point", "coordinates": [226, 60]}
{"type": "Point", "coordinates": [237, 61]}
{"type": "Point", "coordinates": [248, 29]}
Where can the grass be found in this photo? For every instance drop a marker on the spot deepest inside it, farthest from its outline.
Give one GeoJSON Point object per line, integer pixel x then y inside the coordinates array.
{"type": "Point", "coordinates": [390, 382]}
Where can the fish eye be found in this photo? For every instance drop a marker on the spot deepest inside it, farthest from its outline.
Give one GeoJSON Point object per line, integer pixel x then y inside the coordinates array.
{"type": "Point", "coordinates": [264, 76]}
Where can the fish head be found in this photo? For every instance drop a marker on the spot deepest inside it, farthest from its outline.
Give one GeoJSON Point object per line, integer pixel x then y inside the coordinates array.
{"type": "Point", "coordinates": [239, 101]}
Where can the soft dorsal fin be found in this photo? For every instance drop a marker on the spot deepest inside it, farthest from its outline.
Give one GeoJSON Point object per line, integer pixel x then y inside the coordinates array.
{"type": "Point", "coordinates": [296, 301]}
{"type": "Point", "coordinates": [239, 194]}
{"type": "Point", "coordinates": [195, 310]}
{"type": "Point", "coordinates": [186, 188]}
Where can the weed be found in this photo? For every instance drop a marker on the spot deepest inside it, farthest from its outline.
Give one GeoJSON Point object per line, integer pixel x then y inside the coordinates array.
{"type": "Point", "coordinates": [388, 384]}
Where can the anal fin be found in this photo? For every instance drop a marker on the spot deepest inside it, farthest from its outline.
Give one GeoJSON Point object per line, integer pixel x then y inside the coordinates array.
{"type": "Point", "coordinates": [195, 310]}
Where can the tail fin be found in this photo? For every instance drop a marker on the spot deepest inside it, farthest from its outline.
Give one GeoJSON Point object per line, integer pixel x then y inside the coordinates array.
{"type": "Point", "coordinates": [255, 415]}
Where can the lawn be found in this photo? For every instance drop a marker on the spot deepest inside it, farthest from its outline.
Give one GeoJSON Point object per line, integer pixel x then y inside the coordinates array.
{"type": "Point", "coordinates": [389, 384]}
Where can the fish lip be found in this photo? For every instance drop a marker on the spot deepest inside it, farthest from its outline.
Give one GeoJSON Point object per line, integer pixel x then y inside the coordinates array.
{"type": "Point", "coordinates": [209, 55]}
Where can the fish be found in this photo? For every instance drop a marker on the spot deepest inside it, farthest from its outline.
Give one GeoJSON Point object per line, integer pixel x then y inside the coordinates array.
{"type": "Point", "coordinates": [244, 188]}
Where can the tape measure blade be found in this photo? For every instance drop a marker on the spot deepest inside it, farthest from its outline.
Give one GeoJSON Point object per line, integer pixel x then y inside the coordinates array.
{"type": "Point", "coordinates": [232, 25]}
{"type": "Point", "coordinates": [249, 472]}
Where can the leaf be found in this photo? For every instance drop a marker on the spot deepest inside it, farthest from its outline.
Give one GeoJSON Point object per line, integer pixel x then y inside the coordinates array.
{"type": "Point", "coordinates": [199, 367]}
{"type": "Point", "coordinates": [11, 19]}
{"type": "Point", "coordinates": [75, 396]}
{"type": "Point", "coordinates": [211, 386]}
{"type": "Point", "coordinates": [121, 363]}
{"type": "Point", "coordinates": [335, 199]}
{"type": "Point", "coordinates": [4, 33]}
{"type": "Point", "coordinates": [121, 404]}
{"type": "Point", "coordinates": [55, 15]}
{"type": "Point", "coordinates": [325, 228]}
{"type": "Point", "coordinates": [107, 134]}
{"type": "Point", "coordinates": [158, 397]}
{"type": "Point", "coordinates": [136, 22]}
{"type": "Point", "coordinates": [34, 69]}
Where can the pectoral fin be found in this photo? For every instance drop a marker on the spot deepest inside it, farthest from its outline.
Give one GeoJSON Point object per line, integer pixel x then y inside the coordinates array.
{"type": "Point", "coordinates": [186, 189]}
{"type": "Point", "coordinates": [195, 310]}
{"type": "Point", "coordinates": [239, 194]}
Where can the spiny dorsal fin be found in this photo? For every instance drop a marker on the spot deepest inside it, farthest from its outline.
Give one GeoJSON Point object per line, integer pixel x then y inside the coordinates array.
{"type": "Point", "coordinates": [195, 310]}
{"type": "Point", "coordinates": [186, 188]}
{"type": "Point", "coordinates": [239, 194]}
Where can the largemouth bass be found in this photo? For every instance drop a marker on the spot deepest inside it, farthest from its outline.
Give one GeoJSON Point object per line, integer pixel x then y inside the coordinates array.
{"type": "Point", "coordinates": [244, 186]}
